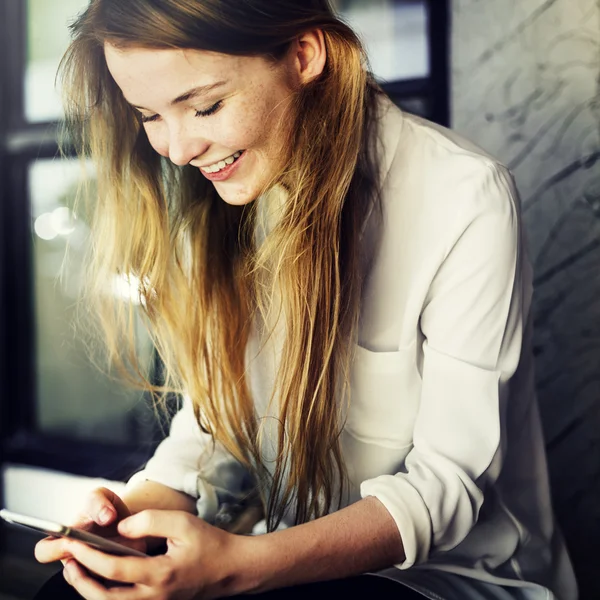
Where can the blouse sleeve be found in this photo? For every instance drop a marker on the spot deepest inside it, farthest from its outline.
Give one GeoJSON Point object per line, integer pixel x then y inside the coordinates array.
{"type": "Point", "coordinates": [472, 322]}
{"type": "Point", "coordinates": [187, 461]}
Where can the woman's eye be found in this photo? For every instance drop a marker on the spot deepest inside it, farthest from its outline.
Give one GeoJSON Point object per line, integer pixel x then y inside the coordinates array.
{"type": "Point", "coordinates": [199, 113]}
{"type": "Point", "coordinates": [147, 119]}
{"type": "Point", "coordinates": [210, 111]}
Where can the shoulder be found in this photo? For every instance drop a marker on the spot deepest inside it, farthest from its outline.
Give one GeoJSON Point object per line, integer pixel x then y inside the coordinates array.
{"type": "Point", "coordinates": [436, 170]}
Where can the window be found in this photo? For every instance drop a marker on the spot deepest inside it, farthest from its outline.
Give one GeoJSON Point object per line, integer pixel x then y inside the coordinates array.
{"type": "Point", "coordinates": [57, 409]}
{"type": "Point", "coordinates": [46, 40]}
{"type": "Point", "coordinates": [395, 35]}
{"type": "Point", "coordinates": [405, 55]}
{"type": "Point", "coordinates": [73, 398]}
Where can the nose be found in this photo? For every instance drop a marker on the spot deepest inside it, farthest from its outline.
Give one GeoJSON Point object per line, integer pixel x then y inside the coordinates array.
{"type": "Point", "coordinates": [185, 145]}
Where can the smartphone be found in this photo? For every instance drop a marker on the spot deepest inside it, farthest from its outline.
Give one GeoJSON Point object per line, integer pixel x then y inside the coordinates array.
{"type": "Point", "coordinates": [57, 530]}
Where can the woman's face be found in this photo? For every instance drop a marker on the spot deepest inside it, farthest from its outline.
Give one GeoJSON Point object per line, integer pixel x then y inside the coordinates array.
{"type": "Point", "coordinates": [225, 115]}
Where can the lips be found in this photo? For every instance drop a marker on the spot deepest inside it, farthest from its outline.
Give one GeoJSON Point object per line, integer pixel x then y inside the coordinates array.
{"type": "Point", "coordinates": [227, 171]}
{"type": "Point", "coordinates": [220, 165]}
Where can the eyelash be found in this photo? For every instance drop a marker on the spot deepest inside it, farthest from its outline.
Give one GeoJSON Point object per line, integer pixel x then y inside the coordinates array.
{"type": "Point", "coordinates": [199, 113]}
{"type": "Point", "coordinates": [210, 111]}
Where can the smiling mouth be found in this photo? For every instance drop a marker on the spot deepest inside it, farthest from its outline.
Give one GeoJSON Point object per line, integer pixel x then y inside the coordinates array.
{"type": "Point", "coordinates": [223, 164]}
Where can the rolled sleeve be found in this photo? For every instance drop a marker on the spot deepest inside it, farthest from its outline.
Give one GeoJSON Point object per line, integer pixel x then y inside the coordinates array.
{"type": "Point", "coordinates": [188, 461]}
{"type": "Point", "coordinates": [472, 324]}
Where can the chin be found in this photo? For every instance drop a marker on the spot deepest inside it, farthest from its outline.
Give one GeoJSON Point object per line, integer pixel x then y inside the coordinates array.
{"type": "Point", "coordinates": [234, 195]}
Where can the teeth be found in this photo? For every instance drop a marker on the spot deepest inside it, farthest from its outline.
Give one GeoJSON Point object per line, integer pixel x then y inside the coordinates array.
{"type": "Point", "coordinates": [222, 163]}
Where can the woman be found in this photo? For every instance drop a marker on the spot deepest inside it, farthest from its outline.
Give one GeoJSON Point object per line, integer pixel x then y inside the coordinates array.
{"type": "Point", "coordinates": [339, 290]}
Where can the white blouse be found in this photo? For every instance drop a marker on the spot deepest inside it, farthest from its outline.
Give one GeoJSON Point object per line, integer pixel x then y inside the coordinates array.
{"type": "Point", "coordinates": [443, 425]}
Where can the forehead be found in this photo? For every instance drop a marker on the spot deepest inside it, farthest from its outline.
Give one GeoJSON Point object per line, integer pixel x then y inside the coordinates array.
{"type": "Point", "coordinates": [151, 72]}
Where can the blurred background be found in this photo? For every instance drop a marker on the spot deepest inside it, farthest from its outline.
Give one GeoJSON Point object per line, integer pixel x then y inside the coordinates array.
{"type": "Point", "coordinates": [519, 77]}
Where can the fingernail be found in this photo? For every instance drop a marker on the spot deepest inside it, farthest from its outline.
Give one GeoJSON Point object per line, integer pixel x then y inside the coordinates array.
{"type": "Point", "coordinates": [105, 515]}
{"type": "Point", "coordinates": [67, 571]}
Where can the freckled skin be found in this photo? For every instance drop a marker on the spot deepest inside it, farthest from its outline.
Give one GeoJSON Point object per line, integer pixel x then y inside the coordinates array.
{"type": "Point", "coordinates": [253, 117]}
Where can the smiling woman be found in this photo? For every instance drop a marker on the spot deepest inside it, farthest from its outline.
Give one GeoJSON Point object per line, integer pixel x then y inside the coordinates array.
{"type": "Point", "coordinates": [340, 292]}
{"type": "Point", "coordinates": [249, 115]}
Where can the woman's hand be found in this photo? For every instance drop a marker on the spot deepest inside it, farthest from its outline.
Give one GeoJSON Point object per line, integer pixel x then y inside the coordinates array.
{"type": "Point", "coordinates": [200, 562]}
{"type": "Point", "coordinates": [103, 511]}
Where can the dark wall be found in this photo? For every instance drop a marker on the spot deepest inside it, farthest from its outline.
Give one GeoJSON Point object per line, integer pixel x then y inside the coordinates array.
{"type": "Point", "coordinates": [526, 87]}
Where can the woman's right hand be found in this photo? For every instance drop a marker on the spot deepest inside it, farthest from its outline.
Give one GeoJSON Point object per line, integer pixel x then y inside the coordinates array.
{"type": "Point", "coordinates": [102, 512]}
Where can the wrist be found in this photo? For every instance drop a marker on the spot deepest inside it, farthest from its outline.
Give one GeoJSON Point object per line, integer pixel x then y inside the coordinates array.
{"type": "Point", "coordinates": [250, 565]}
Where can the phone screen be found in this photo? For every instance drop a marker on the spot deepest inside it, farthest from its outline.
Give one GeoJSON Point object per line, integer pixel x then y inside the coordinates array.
{"type": "Point", "coordinates": [57, 530]}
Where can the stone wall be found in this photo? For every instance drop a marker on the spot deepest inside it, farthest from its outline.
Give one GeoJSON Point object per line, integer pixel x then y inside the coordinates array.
{"type": "Point", "coordinates": [526, 87]}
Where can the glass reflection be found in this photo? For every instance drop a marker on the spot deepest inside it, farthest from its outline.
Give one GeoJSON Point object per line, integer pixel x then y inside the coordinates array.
{"type": "Point", "coordinates": [47, 40]}
{"type": "Point", "coordinates": [73, 397]}
{"type": "Point", "coordinates": [394, 33]}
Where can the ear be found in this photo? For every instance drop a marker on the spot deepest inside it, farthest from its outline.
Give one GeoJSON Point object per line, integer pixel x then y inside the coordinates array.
{"type": "Point", "coordinates": [310, 55]}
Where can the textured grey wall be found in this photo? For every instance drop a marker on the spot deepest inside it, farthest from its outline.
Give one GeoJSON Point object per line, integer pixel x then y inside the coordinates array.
{"type": "Point", "coordinates": [526, 87]}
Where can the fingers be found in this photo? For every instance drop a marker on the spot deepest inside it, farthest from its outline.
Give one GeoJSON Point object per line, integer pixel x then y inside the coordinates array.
{"type": "Point", "coordinates": [50, 550]}
{"type": "Point", "coordinates": [116, 502]}
{"type": "Point", "coordinates": [100, 507]}
{"type": "Point", "coordinates": [168, 524]}
{"type": "Point", "coordinates": [91, 589]}
{"type": "Point", "coordinates": [103, 507]}
{"type": "Point", "coordinates": [122, 569]}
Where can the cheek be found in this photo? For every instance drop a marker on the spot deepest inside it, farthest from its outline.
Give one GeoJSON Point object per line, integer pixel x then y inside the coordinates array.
{"type": "Point", "coordinates": [242, 128]}
{"type": "Point", "coordinates": [256, 126]}
{"type": "Point", "coordinates": [242, 136]}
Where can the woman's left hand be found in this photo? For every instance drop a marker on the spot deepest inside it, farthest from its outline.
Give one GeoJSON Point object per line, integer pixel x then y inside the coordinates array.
{"type": "Point", "coordinates": [199, 563]}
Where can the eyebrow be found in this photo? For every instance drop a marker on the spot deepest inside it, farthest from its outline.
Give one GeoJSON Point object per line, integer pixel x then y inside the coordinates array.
{"type": "Point", "coordinates": [193, 93]}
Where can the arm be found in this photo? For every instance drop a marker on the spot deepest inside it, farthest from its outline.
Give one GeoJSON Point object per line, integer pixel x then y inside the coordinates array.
{"type": "Point", "coordinates": [216, 564]}
{"type": "Point", "coordinates": [473, 321]}
{"type": "Point", "coordinates": [149, 494]}
{"type": "Point", "coordinates": [359, 538]}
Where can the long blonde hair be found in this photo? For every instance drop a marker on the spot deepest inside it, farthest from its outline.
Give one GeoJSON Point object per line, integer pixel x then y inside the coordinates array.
{"type": "Point", "coordinates": [201, 275]}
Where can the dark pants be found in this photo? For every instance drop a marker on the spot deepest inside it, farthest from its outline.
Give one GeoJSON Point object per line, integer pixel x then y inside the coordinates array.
{"type": "Point", "coordinates": [363, 586]}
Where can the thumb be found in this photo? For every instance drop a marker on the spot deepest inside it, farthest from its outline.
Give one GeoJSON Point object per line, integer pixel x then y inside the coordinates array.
{"type": "Point", "coordinates": [172, 524]}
